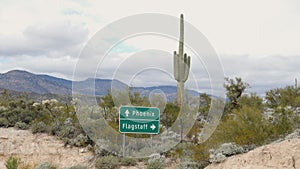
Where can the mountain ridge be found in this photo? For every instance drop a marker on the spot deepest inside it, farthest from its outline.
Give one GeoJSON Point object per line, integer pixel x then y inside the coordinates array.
{"type": "Point", "coordinates": [24, 81]}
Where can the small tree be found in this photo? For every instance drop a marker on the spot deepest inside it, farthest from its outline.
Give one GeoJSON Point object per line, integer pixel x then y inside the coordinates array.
{"type": "Point", "coordinates": [205, 101]}
{"type": "Point", "coordinates": [107, 103]}
{"type": "Point", "coordinates": [170, 114]}
{"type": "Point", "coordinates": [235, 88]}
{"type": "Point", "coordinates": [137, 100]}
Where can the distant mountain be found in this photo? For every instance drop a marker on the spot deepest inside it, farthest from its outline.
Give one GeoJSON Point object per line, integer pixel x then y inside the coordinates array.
{"type": "Point", "coordinates": [23, 81]}
{"type": "Point", "coordinates": [169, 91]}
{"type": "Point", "coordinates": [102, 86]}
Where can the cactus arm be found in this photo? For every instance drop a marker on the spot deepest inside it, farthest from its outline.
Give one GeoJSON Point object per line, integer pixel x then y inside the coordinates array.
{"type": "Point", "coordinates": [185, 58]}
{"type": "Point", "coordinates": [176, 64]}
{"type": "Point", "coordinates": [187, 68]}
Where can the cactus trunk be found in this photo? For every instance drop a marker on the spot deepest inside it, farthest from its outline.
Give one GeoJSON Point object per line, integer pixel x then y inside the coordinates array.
{"type": "Point", "coordinates": [181, 65]}
{"type": "Point", "coordinates": [180, 89]}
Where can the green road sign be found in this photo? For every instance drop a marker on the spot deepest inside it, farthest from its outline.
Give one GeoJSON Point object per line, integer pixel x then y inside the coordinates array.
{"type": "Point", "coordinates": [139, 120]}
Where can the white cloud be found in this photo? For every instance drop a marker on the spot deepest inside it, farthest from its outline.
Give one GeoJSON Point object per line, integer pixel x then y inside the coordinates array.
{"type": "Point", "coordinates": [56, 39]}
{"type": "Point", "coordinates": [257, 40]}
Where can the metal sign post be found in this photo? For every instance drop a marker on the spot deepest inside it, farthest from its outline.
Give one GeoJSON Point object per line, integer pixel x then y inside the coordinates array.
{"type": "Point", "coordinates": [138, 120]}
{"type": "Point", "coordinates": [124, 144]}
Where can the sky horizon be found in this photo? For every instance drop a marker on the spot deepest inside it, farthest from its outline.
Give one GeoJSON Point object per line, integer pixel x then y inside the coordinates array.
{"type": "Point", "coordinates": [257, 41]}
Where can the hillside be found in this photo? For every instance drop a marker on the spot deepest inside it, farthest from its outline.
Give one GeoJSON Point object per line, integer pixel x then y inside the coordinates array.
{"type": "Point", "coordinates": [285, 154]}
{"type": "Point", "coordinates": [23, 81]}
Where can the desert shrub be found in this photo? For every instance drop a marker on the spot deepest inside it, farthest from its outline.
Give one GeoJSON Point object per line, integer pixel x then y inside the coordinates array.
{"type": "Point", "coordinates": [4, 122]}
{"type": "Point", "coordinates": [205, 101]}
{"type": "Point", "coordinates": [12, 162]}
{"type": "Point", "coordinates": [21, 125]}
{"type": "Point", "coordinates": [102, 146]}
{"type": "Point", "coordinates": [76, 167]}
{"type": "Point", "coordinates": [54, 128]}
{"type": "Point", "coordinates": [38, 127]}
{"type": "Point", "coordinates": [170, 114]}
{"type": "Point", "coordinates": [11, 116]}
{"type": "Point", "coordinates": [201, 154]}
{"type": "Point", "coordinates": [68, 132]}
{"type": "Point", "coordinates": [284, 123]}
{"type": "Point", "coordinates": [80, 141]}
{"type": "Point", "coordinates": [45, 165]}
{"type": "Point", "coordinates": [244, 126]}
{"type": "Point", "coordinates": [100, 151]}
{"type": "Point", "coordinates": [247, 126]}
{"type": "Point", "coordinates": [251, 100]}
{"type": "Point", "coordinates": [18, 110]}
{"type": "Point", "coordinates": [73, 135]}
{"type": "Point", "coordinates": [26, 115]}
{"type": "Point", "coordinates": [156, 164]}
{"type": "Point", "coordinates": [188, 165]}
{"type": "Point", "coordinates": [128, 162]}
{"type": "Point", "coordinates": [107, 162]}
{"type": "Point", "coordinates": [288, 96]}
{"type": "Point", "coordinates": [225, 150]}
{"type": "Point", "coordinates": [182, 150]}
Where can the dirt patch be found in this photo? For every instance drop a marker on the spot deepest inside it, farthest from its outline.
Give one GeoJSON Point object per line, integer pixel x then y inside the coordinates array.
{"type": "Point", "coordinates": [36, 148]}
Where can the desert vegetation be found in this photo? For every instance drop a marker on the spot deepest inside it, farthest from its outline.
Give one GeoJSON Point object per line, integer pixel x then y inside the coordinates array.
{"type": "Point", "coordinates": [248, 121]}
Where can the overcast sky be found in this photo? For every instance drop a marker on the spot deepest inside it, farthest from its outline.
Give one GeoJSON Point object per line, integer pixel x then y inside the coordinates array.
{"type": "Point", "coordinates": [256, 40]}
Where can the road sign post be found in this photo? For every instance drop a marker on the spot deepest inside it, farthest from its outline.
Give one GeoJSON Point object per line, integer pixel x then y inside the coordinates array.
{"type": "Point", "coordinates": [139, 120]}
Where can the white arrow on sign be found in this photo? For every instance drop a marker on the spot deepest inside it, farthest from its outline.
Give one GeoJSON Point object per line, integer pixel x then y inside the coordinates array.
{"type": "Point", "coordinates": [152, 127]}
{"type": "Point", "coordinates": [126, 113]}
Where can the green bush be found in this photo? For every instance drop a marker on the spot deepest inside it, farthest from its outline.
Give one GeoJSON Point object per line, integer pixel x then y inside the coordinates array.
{"type": "Point", "coordinates": [39, 127]}
{"type": "Point", "coordinates": [170, 114]}
{"type": "Point", "coordinates": [128, 162]}
{"type": "Point", "coordinates": [156, 164]}
{"type": "Point", "coordinates": [245, 126]}
{"type": "Point", "coordinates": [4, 122]}
{"type": "Point", "coordinates": [284, 122]}
{"type": "Point", "coordinates": [107, 162]}
{"type": "Point", "coordinates": [12, 162]}
{"type": "Point", "coordinates": [45, 165]}
{"type": "Point", "coordinates": [11, 116]}
{"type": "Point", "coordinates": [54, 128]}
{"type": "Point", "coordinates": [288, 96]}
{"type": "Point", "coordinates": [21, 125]}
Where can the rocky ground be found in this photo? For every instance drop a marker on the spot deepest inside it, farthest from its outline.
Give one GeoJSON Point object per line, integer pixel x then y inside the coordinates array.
{"type": "Point", "coordinates": [282, 155]}
{"type": "Point", "coordinates": [37, 148]}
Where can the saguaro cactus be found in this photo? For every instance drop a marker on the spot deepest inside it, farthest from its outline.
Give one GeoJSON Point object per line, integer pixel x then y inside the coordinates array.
{"type": "Point", "coordinates": [181, 65]}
